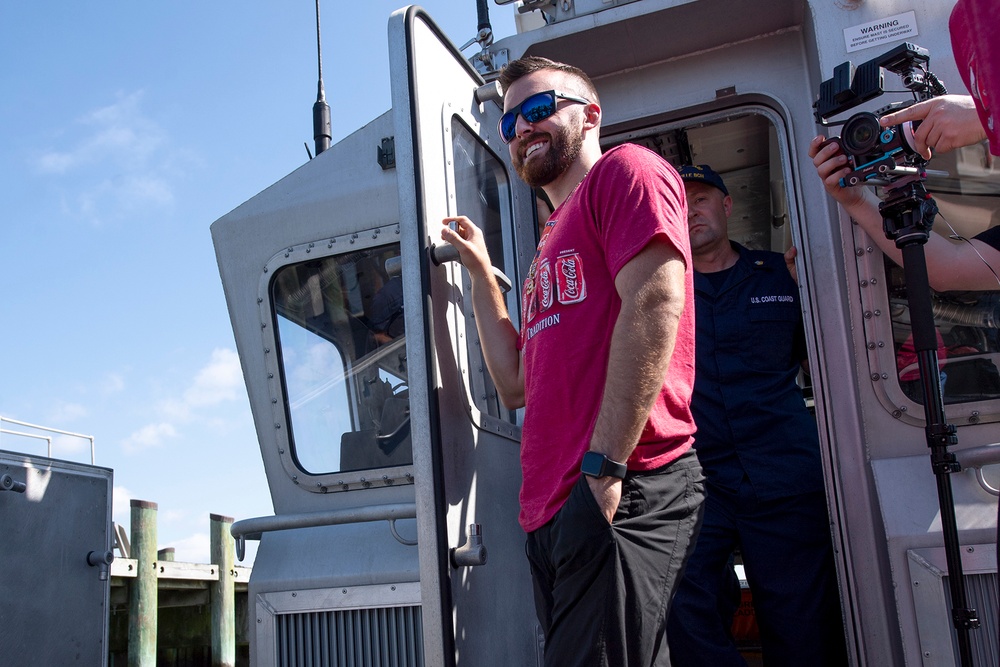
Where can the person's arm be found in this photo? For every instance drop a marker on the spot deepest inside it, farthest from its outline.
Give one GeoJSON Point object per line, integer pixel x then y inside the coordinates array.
{"type": "Point", "coordinates": [652, 289]}
{"type": "Point", "coordinates": [496, 330]}
{"type": "Point", "coordinates": [946, 123]}
{"type": "Point", "coordinates": [790, 256]}
{"type": "Point", "coordinates": [950, 266]}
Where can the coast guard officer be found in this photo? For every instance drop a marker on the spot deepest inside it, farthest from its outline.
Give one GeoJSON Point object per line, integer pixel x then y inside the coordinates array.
{"type": "Point", "coordinates": [758, 445]}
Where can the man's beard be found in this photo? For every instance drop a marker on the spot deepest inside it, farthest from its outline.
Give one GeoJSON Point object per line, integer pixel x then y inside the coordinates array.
{"type": "Point", "coordinates": [564, 148]}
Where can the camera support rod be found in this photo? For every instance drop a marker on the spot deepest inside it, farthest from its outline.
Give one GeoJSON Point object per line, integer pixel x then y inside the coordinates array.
{"type": "Point", "coordinates": [908, 213]}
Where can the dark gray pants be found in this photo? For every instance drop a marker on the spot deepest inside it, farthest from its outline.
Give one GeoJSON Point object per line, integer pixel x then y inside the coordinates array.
{"type": "Point", "coordinates": [603, 591]}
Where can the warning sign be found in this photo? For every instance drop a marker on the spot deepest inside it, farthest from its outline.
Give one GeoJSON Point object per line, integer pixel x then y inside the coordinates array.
{"type": "Point", "coordinates": [873, 33]}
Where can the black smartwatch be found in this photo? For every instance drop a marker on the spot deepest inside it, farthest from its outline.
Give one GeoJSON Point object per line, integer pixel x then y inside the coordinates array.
{"type": "Point", "coordinates": [599, 465]}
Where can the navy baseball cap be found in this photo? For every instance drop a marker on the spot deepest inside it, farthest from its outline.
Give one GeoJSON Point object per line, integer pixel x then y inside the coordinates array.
{"type": "Point", "coordinates": [702, 173]}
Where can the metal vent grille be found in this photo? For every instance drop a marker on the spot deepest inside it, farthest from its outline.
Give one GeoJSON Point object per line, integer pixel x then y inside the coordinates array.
{"type": "Point", "coordinates": [981, 591]}
{"type": "Point", "coordinates": [375, 637]}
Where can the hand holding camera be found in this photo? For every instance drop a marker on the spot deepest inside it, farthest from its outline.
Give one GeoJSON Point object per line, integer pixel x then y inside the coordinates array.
{"type": "Point", "coordinates": [945, 123]}
{"type": "Point", "coordinates": [879, 147]}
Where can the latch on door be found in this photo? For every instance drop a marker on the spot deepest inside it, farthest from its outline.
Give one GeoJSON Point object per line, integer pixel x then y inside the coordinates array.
{"type": "Point", "coordinates": [8, 483]}
{"type": "Point", "coordinates": [473, 552]}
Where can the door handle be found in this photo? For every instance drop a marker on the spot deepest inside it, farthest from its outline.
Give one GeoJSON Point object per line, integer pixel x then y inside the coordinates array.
{"type": "Point", "coordinates": [8, 483]}
{"type": "Point", "coordinates": [445, 252]}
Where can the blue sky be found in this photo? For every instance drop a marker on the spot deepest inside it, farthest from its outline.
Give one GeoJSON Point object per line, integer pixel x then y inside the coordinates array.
{"type": "Point", "coordinates": [127, 129]}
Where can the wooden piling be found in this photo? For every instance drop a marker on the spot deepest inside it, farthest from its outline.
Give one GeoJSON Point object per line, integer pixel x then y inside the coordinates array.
{"type": "Point", "coordinates": [143, 590]}
{"type": "Point", "coordinates": [222, 593]}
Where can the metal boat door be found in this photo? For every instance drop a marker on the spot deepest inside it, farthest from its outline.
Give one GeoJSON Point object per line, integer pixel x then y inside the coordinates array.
{"type": "Point", "coordinates": [55, 523]}
{"type": "Point", "coordinates": [449, 161]}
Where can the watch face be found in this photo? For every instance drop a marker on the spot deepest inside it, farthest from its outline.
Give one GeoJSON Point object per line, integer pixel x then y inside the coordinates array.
{"type": "Point", "coordinates": [599, 465]}
{"type": "Point", "coordinates": [593, 464]}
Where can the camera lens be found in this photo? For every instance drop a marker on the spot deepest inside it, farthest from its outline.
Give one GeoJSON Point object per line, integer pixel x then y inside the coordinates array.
{"type": "Point", "coordinates": [861, 133]}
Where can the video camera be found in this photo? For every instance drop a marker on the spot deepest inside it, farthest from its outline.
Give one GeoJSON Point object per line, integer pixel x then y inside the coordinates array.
{"type": "Point", "coordinates": [875, 153]}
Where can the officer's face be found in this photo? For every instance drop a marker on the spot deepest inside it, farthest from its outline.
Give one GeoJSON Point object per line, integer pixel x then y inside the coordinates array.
{"type": "Point", "coordinates": [708, 215]}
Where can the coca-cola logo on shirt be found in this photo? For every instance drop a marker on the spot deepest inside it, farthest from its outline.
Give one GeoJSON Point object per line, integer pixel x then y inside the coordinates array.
{"type": "Point", "coordinates": [545, 288]}
{"type": "Point", "coordinates": [569, 275]}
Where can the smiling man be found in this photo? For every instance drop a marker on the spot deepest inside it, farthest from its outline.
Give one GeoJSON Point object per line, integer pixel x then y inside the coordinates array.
{"type": "Point", "coordinates": [604, 366]}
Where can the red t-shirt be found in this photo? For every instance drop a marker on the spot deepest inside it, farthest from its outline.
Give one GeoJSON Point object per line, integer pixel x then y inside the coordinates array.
{"type": "Point", "coordinates": [630, 197]}
{"type": "Point", "coordinates": [975, 29]}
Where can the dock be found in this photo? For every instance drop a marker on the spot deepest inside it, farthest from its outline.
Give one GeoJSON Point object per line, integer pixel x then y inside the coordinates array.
{"type": "Point", "coordinates": [166, 613]}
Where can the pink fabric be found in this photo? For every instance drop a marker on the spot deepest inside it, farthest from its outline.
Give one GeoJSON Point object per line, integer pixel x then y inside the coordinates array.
{"type": "Point", "coordinates": [975, 29]}
{"type": "Point", "coordinates": [630, 197]}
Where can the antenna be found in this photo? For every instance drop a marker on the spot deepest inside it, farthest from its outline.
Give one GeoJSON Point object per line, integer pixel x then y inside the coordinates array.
{"type": "Point", "coordinates": [484, 31]}
{"type": "Point", "coordinates": [322, 134]}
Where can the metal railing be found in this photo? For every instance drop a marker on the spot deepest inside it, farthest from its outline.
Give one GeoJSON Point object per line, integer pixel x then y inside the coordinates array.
{"type": "Point", "coordinates": [251, 529]}
{"type": "Point", "coordinates": [48, 439]}
{"type": "Point", "coordinates": [976, 458]}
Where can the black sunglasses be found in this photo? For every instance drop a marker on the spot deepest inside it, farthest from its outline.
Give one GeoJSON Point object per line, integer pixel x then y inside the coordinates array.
{"type": "Point", "coordinates": [533, 109]}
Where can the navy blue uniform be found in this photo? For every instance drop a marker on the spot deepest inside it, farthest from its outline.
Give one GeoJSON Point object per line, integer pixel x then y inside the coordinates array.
{"type": "Point", "coordinates": [759, 449]}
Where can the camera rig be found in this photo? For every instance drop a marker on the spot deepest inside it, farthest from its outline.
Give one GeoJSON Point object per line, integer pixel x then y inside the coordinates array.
{"type": "Point", "coordinates": [876, 154]}
{"type": "Point", "coordinates": [886, 156]}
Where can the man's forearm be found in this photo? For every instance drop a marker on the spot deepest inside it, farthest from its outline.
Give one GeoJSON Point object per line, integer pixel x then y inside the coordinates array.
{"type": "Point", "coordinates": [642, 345]}
{"type": "Point", "coordinates": [499, 340]}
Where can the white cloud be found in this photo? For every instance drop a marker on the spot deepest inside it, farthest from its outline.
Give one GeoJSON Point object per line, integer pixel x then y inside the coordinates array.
{"type": "Point", "coordinates": [121, 505]}
{"type": "Point", "coordinates": [119, 164]}
{"type": "Point", "coordinates": [149, 436]}
{"type": "Point", "coordinates": [66, 413]}
{"type": "Point", "coordinates": [118, 132]}
{"type": "Point", "coordinates": [70, 444]}
{"type": "Point", "coordinates": [219, 381]}
{"type": "Point", "coordinates": [195, 548]}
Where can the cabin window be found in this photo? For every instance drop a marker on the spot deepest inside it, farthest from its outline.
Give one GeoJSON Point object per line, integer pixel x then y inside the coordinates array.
{"type": "Point", "coordinates": [482, 194]}
{"type": "Point", "coordinates": [967, 192]}
{"type": "Point", "coordinates": [339, 322]}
